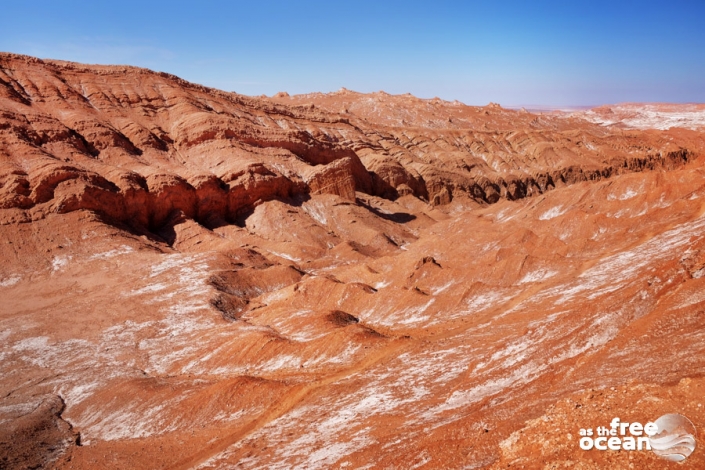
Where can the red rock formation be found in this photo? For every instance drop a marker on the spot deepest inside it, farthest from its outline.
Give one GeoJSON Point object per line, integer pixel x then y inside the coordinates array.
{"type": "Point", "coordinates": [194, 278]}
{"type": "Point", "coordinates": [335, 178]}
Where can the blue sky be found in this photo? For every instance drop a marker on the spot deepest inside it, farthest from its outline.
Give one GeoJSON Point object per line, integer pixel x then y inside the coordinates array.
{"type": "Point", "coordinates": [554, 53]}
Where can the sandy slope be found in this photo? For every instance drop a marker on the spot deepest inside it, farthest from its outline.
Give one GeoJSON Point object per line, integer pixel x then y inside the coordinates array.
{"type": "Point", "coordinates": [198, 279]}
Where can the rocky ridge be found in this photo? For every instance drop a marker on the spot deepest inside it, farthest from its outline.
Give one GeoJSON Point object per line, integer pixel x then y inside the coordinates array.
{"type": "Point", "coordinates": [136, 151]}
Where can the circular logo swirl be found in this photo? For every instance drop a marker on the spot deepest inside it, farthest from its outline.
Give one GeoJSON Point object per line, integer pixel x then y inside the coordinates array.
{"type": "Point", "coordinates": [675, 438]}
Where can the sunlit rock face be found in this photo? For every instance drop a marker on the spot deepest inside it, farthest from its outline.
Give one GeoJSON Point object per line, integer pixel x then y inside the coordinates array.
{"type": "Point", "coordinates": [193, 278]}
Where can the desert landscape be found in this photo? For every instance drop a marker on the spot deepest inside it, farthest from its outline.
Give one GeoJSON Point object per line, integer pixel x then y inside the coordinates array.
{"type": "Point", "coordinates": [198, 279]}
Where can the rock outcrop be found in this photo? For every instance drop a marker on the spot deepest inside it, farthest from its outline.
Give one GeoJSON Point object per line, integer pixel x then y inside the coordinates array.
{"type": "Point", "coordinates": [335, 178]}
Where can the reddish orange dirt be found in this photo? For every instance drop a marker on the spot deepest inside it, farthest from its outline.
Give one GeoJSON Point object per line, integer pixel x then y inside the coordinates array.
{"type": "Point", "coordinates": [193, 278]}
